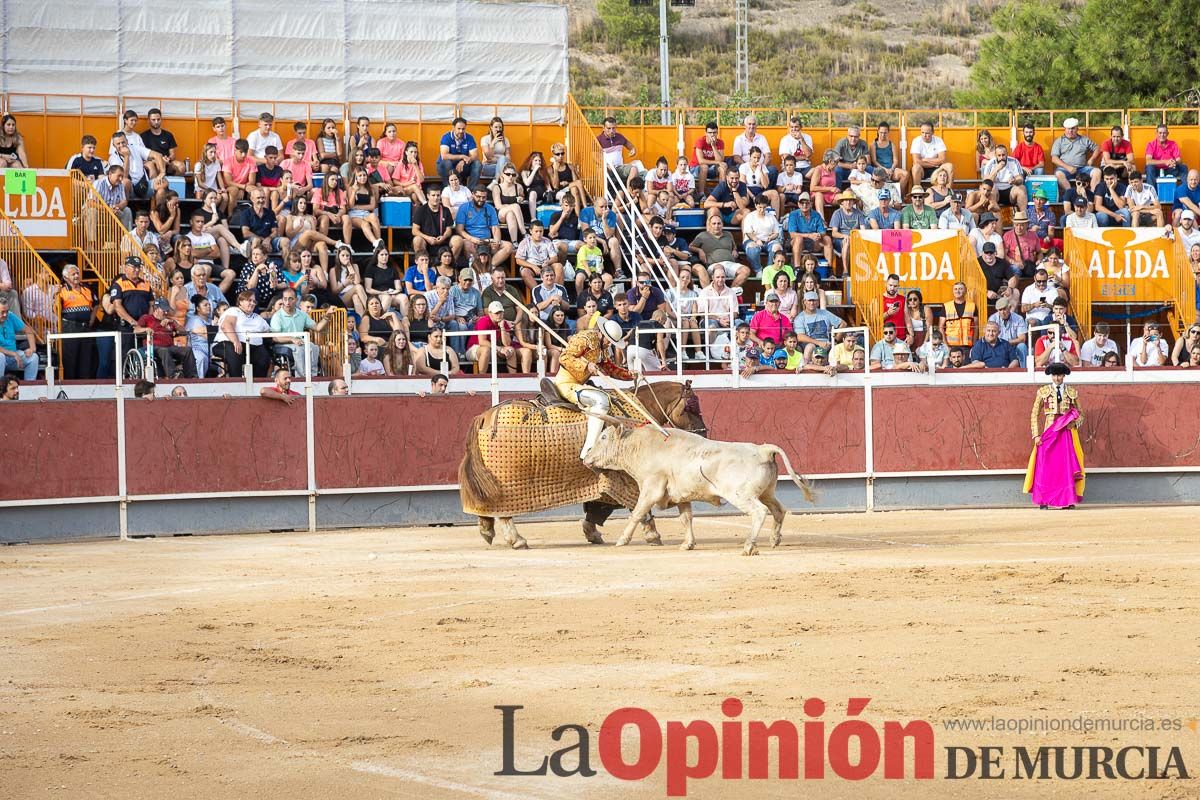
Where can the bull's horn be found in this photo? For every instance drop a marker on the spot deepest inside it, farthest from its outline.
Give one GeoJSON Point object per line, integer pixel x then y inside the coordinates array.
{"type": "Point", "coordinates": [629, 423]}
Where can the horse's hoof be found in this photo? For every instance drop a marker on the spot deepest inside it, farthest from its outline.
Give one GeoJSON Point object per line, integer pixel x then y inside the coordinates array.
{"type": "Point", "coordinates": [655, 540]}
{"type": "Point", "coordinates": [520, 544]}
{"type": "Point", "coordinates": [750, 550]}
{"type": "Point", "coordinates": [488, 538]}
{"type": "Point", "coordinates": [687, 546]}
{"type": "Point", "coordinates": [776, 539]}
{"type": "Point", "coordinates": [592, 533]}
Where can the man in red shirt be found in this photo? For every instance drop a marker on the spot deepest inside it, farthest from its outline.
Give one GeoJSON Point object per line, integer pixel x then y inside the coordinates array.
{"type": "Point", "coordinates": [893, 306]}
{"type": "Point", "coordinates": [1117, 152]}
{"type": "Point", "coordinates": [166, 353]}
{"type": "Point", "coordinates": [281, 390]}
{"type": "Point", "coordinates": [1163, 158]}
{"type": "Point", "coordinates": [1022, 247]}
{"type": "Point", "coordinates": [708, 159]}
{"type": "Point", "coordinates": [1029, 154]}
{"type": "Point", "coordinates": [479, 348]}
{"type": "Point", "coordinates": [769, 323]}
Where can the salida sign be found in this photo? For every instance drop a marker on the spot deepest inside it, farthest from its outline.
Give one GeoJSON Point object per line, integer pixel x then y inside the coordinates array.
{"type": "Point", "coordinates": [1131, 264]}
{"type": "Point", "coordinates": [916, 256]}
{"type": "Point", "coordinates": [43, 216]}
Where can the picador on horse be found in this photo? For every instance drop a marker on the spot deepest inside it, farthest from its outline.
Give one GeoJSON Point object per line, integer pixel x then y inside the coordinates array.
{"type": "Point", "coordinates": [590, 352]}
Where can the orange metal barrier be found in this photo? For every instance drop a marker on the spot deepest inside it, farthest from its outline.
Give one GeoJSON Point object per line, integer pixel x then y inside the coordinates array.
{"type": "Point", "coordinates": [1185, 286]}
{"type": "Point", "coordinates": [34, 283]}
{"type": "Point", "coordinates": [101, 238]}
{"type": "Point", "coordinates": [583, 150]}
{"type": "Point", "coordinates": [332, 340]}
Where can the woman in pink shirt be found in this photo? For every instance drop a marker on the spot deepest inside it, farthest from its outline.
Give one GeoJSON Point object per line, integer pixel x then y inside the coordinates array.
{"type": "Point", "coordinates": [410, 174]}
{"type": "Point", "coordinates": [822, 182]}
{"type": "Point", "coordinates": [391, 149]}
{"type": "Point", "coordinates": [329, 203]}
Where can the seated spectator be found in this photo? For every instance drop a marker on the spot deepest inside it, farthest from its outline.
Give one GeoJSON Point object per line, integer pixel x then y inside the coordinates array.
{"type": "Point", "coordinates": [466, 302]}
{"type": "Point", "coordinates": [883, 156]}
{"type": "Point", "coordinates": [111, 189]}
{"type": "Point", "coordinates": [1029, 154]}
{"type": "Point", "coordinates": [644, 297]}
{"type": "Point", "coordinates": [1186, 346]}
{"type": "Point", "coordinates": [1141, 200]}
{"type": "Point", "coordinates": [1057, 345]}
{"type": "Point", "coordinates": [979, 200]}
{"type": "Point", "coordinates": [957, 359]}
{"type": "Point", "coordinates": [11, 327]}
{"type": "Point", "coordinates": [992, 351]}
{"type": "Point", "coordinates": [1163, 158]}
{"type": "Point", "coordinates": [918, 216]}
{"type": "Point", "coordinates": [496, 150]}
{"type": "Point", "coordinates": [845, 219]}
{"type": "Point", "coordinates": [708, 158]}
{"type": "Point", "coordinates": [1082, 216]}
{"type": "Point", "coordinates": [730, 198]}
{"type": "Point", "coordinates": [808, 233]}
{"type": "Point", "coordinates": [761, 232]}
{"type": "Point", "coordinates": [1187, 197]}
{"type": "Point", "coordinates": [459, 155]}
{"type": "Point", "coordinates": [290, 319]}
{"type": "Point", "coordinates": [1022, 248]}
{"type": "Point", "coordinates": [849, 149]}
{"type": "Point", "coordinates": [928, 152]}
{"type": "Point", "coordinates": [85, 161]}
{"type": "Point", "coordinates": [128, 151]}
{"type": "Point", "coordinates": [12, 144]}
{"type": "Point", "coordinates": [262, 138]}
{"type": "Point", "coordinates": [988, 232]}
{"type": "Point", "coordinates": [753, 175]}
{"type": "Point", "coordinates": [1038, 297]}
{"type": "Point", "coordinates": [299, 166]}
{"type": "Point", "coordinates": [549, 295]}
{"type": "Point", "coordinates": [1094, 350]}
{"type": "Point", "coordinates": [959, 322]}
{"type": "Point", "coordinates": [1008, 179]}
{"type": "Point", "coordinates": [537, 254]}
{"type": "Point", "coordinates": [1112, 209]}
{"type": "Point", "coordinates": [823, 182]}
{"type": "Point", "coordinates": [714, 249]}
{"type": "Point", "coordinates": [997, 271]}
{"type": "Point", "coordinates": [1116, 152]}
{"type": "Point", "coordinates": [397, 355]}
{"type": "Point", "coordinates": [1074, 155]}
{"type": "Point", "coordinates": [885, 217]}
{"type": "Point", "coordinates": [240, 328]}
{"type": "Point", "coordinates": [614, 145]}
{"type": "Point", "coordinates": [902, 359]}
{"type": "Point", "coordinates": [717, 302]}
{"type": "Point", "coordinates": [956, 218]}
{"type": "Point", "coordinates": [478, 224]}
{"type": "Point", "coordinates": [1042, 220]}
{"type": "Point", "coordinates": [1186, 230]}
{"type": "Point", "coordinates": [1150, 349]}
{"type": "Point", "coordinates": [742, 350]}
{"type": "Point", "coordinates": [162, 142]}
{"type": "Point", "coordinates": [814, 326]}
{"type": "Point", "coordinates": [940, 190]}
{"type": "Point", "coordinates": [435, 358]}
{"type": "Point", "coordinates": [933, 352]}
{"type": "Point", "coordinates": [260, 228]}
{"type": "Point", "coordinates": [769, 323]}
{"type": "Point", "coordinates": [1013, 328]}
{"type": "Point", "coordinates": [599, 218]}
{"type": "Point", "coordinates": [479, 348]}
{"type": "Point", "coordinates": [798, 145]}
{"type": "Point", "coordinates": [985, 149]}
{"type": "Point", "coordinates": [790, 183]}
{"type": "Point", "coordinates": [173, 361]}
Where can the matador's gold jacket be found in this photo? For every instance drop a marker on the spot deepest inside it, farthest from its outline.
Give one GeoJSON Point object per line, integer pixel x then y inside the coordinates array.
{"type": "Point", "coordinates": [1047, 407]}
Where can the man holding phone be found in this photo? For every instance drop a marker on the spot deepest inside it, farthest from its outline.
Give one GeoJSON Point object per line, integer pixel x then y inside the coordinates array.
{"type": "Point", "coordinates": [1149, 349]}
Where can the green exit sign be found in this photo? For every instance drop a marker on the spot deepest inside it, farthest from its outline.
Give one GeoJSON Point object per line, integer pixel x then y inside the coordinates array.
{"type": "Point", "coordinates": [20, 181]}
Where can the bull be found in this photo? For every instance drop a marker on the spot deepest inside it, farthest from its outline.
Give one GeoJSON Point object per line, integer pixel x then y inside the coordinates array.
{"type": "Point", "coordinates": [682, 468]}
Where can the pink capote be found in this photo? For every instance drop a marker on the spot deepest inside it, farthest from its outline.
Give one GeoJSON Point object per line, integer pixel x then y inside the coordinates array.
{"type": "Point", "coordinates": [1055, 463]}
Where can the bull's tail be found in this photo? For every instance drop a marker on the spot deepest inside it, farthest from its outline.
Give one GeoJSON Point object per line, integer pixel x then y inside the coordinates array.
{"type": "Point", "coordinates": [804, 483]}
{"type": "Point", "coordinates": [476, 482]}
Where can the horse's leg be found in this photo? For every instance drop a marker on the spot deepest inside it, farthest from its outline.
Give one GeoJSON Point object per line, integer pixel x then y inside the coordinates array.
{"type": "Point", "coordinates": [689, 533]}
{"type": "Point", "coordinates": [650, 530]}
{"type": "Point", "coordinates": [487, 528]}
{"type": "Point", "coordinates": [778, 512]}
{"type": "Point", "coordinates": [514, 539]}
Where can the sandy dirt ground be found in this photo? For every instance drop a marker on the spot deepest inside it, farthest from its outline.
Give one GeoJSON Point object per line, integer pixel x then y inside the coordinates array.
{"type": "Point", "coordinates": [367, 664]}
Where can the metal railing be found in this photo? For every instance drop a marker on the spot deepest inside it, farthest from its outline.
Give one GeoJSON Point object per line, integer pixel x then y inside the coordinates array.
{"type": "Point", "coordinates": [104, 241]}
{"type": "Point", "coordinates": [583, 150]}
{"type": "Point", "coordinates": [34, 284]}
{"type": "Point", "coordinates": [332, 340]}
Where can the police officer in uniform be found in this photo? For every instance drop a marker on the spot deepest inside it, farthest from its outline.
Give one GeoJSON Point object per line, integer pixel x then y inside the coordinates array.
{"type": "Point", "coordinates": [131, 298]}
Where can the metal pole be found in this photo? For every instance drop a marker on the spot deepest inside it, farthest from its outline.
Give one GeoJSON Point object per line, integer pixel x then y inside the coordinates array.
{"type": "Point", "coordinates": [664, 63]}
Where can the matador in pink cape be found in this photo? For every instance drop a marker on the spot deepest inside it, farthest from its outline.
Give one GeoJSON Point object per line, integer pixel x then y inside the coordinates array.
{"type": "Point", "coordinates": [1055, 476]}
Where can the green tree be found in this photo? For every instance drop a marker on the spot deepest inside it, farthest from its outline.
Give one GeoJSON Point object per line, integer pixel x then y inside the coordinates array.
{"type": "Point", "coordinates": [1029, 62]}
{"type": "Point", "coordinates": [635, 26]}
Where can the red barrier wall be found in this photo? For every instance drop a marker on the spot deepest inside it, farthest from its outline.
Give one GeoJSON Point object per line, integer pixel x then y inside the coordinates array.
{"type": "Point", "coordinates": [214, 445]}
{"type": "Point", "coordinates": [62, 448]}
{"type": "Point", "coordinates": [392, 440]}
{"type": "Point", "coordinates": [821, 430]}
{"type": "Point", "coordinates": [68, 448]}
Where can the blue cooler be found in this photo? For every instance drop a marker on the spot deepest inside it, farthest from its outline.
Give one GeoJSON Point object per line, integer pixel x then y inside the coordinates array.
{"type": "Point", "coordinates": [690, 218]}
{"type": "Point", "coordinates": [1049, 184]}
{"type": "Point", "coordinates": [318, 180]}
{"type": "Point", "coordinates": [1166, 189]}
{"type": "Point", "coordinates": [178, 185]}
{"type": "Point", "coordinates": [546, 213]}
{"type": "Point", "coordinates": [395, 212]}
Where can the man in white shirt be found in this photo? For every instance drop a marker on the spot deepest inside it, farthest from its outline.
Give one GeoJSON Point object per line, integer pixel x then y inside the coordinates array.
{"type": "Point", "coordinates": [1143, 202]}
{"type": "Point", "coordinates": [260, 139]}
{"type": "Point", "coordinates": [1094, 349]}
{"type": "Point", "coordinates": [928, 152]}
{"type": "Point", "coordinates": [1187, 231]}
{"type": "Point", "coordinates": [797, 144]}
{"type": "Point", "coordinates": [1008, 179]}
{"type": "Point", "coordinates": [718, 300]}
{"type": "Point", "coordinates": [1082, 216]}
{"type": "Point", "coordinates": [956, 218]}
{"type": "Point", "coordinates": [1149, 349]}
{"type": "Point", "coordinates": [1038, 298]}
{"type": "Point", "coordinates": [131, 155]}
{"type": "Point", "coordinates": [748, 138]}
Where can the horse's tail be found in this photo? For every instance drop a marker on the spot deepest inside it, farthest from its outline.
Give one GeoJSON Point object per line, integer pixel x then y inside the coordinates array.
{"type": "Point", "coordinates": [476, 482]}
{"type": "Point", "coordinates": [804, 483]}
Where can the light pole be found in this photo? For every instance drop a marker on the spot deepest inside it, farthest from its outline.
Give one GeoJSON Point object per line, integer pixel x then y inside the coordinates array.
{"type": "Point", "coordinates": [664, 64]}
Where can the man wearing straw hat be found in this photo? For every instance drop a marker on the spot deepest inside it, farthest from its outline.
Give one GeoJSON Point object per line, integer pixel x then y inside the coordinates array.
{"type": "Point", "coordinates": [918, 216]}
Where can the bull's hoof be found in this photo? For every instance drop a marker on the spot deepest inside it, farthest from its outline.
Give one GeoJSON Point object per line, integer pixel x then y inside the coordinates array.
{"type": "Point", "coordinates": [592, 533]}
{"type": "Point", "coordinates": [687, 546]}
{"type": "Point", "coordinates": [655, 540]}
{"type": "Point", "coordinates": [520, 544]}
{"type": "Point", "coordinates": [750, 550]}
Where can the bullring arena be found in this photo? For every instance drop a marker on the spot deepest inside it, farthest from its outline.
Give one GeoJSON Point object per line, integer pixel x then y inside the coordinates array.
{"type": "Point", "coordinates": [241, 555]}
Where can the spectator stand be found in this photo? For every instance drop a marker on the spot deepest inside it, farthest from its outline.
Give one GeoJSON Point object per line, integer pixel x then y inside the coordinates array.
{"type": "Point", "coordinates": [34, 284]}
{"type": "Point", "coordinates": [931, 261]}
{"type": "Point", "coordinates": [102, 242]}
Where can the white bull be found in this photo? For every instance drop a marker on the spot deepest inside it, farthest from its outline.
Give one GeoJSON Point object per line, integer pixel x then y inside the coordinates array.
{"type": "Point", "coordinates": [682, 468]}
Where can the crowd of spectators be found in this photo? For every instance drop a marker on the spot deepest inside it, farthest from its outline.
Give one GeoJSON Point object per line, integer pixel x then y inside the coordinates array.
{"type": "Point", "coordinates": [277, 229]}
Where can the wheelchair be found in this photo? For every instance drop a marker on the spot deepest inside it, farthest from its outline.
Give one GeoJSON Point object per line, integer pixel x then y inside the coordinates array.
{"type": "Point", "coordinates": [139, 364]}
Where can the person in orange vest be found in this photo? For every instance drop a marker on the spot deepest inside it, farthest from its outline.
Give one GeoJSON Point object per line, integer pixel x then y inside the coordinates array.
{"type": "Point", "coordinates": [959, 322]}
